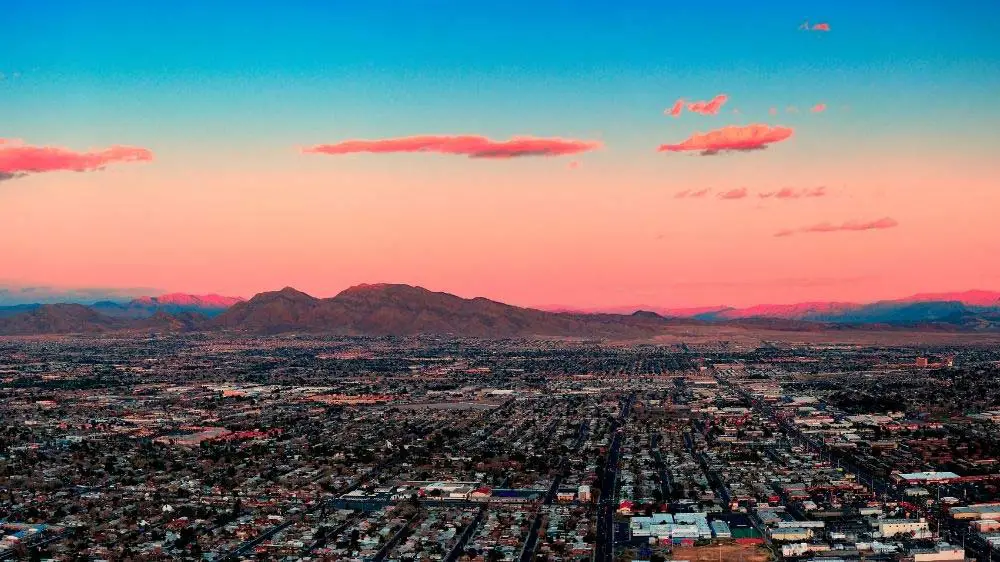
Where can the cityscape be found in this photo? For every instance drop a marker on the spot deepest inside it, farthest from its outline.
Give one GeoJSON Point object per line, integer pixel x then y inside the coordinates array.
{"type": "Point", "coordinates": [294, 447]}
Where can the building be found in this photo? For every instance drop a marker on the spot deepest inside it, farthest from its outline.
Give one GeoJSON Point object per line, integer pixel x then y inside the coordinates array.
{"type": "Point", "coordinates": [990, 511]}
{"type": "Point", "coordinates": [565, 496]}
{"type": "Point", "coordinates": [942, 551]}
{"type": "Point", "coordinates": [584, 493]}
{"type": "Point", "coordinates": [892, 527]}
{"type": "Point", "coordinates": [918, 478]}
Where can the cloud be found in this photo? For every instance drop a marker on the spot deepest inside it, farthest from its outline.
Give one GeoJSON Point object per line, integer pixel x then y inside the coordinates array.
{"type": "Point", "coordinates": [676, 109]}
{"type": "Point", "coordinates": [734, 194]}
{"type": "Point", "coordinates": [789, 193]}
{"type": "Point", "coordinates": [13, 293]}
{"type": "Point", "coordinates": [710, 107]}
{"type": "Point", "coordinates": [791, 109]}
{"type": "Point", "coordinates": [462, 145]}
{"type": "Point", "coordinates": [573, 165]}
{"type": "Point", "coordinates": [818, 108]}
{"type": "Point", "coordinates": [773, 111]}
{"type": "Point", "coordinates": [816, 27]}
{"type": "Point", "coordinates": [731, 138]}
{"type": "Point", "coordinates": [879, 224]}
{"type": "Point", "coordinates": [687, 193]}
{"type": "Point", "coordinates": [18, 159]}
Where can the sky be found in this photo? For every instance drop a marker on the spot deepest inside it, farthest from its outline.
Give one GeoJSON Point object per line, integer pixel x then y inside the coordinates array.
{"type": "Point", "coordinates": [572, 153]}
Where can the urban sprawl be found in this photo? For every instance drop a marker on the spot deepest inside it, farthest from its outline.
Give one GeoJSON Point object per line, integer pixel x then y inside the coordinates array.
{"type": "Point", "coordinates": [233, 447]}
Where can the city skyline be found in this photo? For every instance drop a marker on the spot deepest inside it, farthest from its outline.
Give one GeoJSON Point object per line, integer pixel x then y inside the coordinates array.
{"type": "Point", "coordinates": [585, 155]}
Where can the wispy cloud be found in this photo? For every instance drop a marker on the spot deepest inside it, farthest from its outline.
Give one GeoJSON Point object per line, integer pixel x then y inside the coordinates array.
{"type": "Point", "coordinates": [731, 138]}
{"type": "Point", "coordinates": [471, 146]}
{"type": "Point", "coordinates": [709, 107]}
{"type": "Point", "coordinates": [790, 193]}
{"type": "Point", "coordinates": [18, 159]}
{"type": "Point", "coordinates": [879, 224]}
{"type": "Point", "coordinates": [734, 194]}
{"type": "Point", "coordinates": [687, 193]}
{"type": "Point", "coordinates": [818, 108]}
{"type": "Point", "coordinates": [814, 27]}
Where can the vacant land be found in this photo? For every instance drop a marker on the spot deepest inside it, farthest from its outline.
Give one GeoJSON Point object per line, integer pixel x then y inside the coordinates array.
{"type": "Point", "coordinates": [725, 552]}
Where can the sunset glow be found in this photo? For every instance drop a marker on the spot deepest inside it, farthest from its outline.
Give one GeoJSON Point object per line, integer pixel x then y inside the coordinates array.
{"type": "Point", "coordinates": [534, 153]}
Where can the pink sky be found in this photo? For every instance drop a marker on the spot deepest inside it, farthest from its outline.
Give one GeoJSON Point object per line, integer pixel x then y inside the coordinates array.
{"type": "Point", "coordinates": [535, 234]}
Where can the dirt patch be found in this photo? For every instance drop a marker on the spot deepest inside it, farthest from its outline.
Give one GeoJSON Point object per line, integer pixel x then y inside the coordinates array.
{"type": "Point", "coordinates": [725, 552]}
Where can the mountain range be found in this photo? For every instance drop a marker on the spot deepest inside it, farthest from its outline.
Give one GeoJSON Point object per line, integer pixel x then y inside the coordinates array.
{"type": "Point", "coordinates": [968, 309]}
{"type": "Point", "coordinates": [391, 309]}
{"type": "Point", "coordinates": [146, 307]}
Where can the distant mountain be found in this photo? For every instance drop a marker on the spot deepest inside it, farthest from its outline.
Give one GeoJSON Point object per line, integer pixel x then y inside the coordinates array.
{"type": "Point", "coordinates": [166, 322]}
{"type": "Point", "coordinates": [799, 311]}
{"type": "Point", "coordinates": [58, 319]}
{"type": "Point", "coordinates": [988, 299]}
{"type": "Point", "coordinates": [969, 309]}
{"type": "Point", "coordinates": [182, 300]}
{"type": "Point", "coordinates": [146, 307]}
{"type": "Point", "coordinates": [13, 309]}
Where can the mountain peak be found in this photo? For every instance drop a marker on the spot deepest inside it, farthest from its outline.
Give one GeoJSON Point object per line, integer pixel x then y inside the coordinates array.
{"type": "Point", "coordinates": [285, 293]}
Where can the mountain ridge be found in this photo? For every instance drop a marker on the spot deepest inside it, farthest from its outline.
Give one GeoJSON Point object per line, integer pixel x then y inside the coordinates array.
{"type": "Point", "coordinates": [911, 310]}
{"type": "Point", "coordinates": [400, 310]}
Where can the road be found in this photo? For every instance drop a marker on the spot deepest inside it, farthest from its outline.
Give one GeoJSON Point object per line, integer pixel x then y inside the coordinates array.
{"type": "Point", "coordinates": [459, 548]}
{"type": "Point", "coordinates": [531, 541]}
{"type": "Point", "coordinates": [605, 548]}
{"type": "Point", "coordinates": [398, 536]}
{"type": "Point", "coordinates": [248, 546]}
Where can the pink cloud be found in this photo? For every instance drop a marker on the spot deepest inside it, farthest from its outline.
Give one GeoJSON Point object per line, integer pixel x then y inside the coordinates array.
{"type": "Point", "coordinates": [818, 108]}
{"type": "Point", "coordinates": [18, 159]}
{"type": "Point", "coordinates": [731, 138]}
{"type": "Point", "coordinates": [573, 165]}
{"type": "Point", "coordinates": [821, 27]}
{"type": "Point", "coordinates": [710, 107]}
{"type": "Point", "coordinates": [773, 111]}
{"type": "Point", "coordinates": [687, 193]}
{"type": "Point", "coordinates": [734, 194]}
{"type": "Point", "coordinates": [789, 193]}
{"type": "Point", "coordinates": [461, 145]}
{"type": "Point", "coordinates": [855, 226]}
{"type": "Point", "coordinates": [676, 109]}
